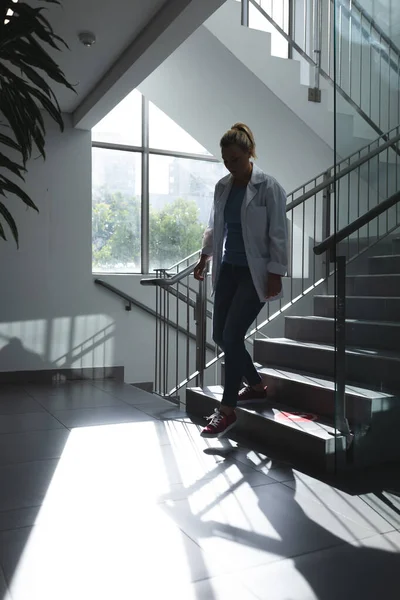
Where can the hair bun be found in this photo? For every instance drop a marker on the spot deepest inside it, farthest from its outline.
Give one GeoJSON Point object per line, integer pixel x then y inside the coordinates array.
{"type": "Point", "coordinates": [241, 135]}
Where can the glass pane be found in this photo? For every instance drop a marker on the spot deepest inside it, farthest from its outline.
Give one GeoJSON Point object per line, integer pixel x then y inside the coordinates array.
{"type": "Point", "coordinates": [367, 71]}
{"type": "Point", "coordinates": [181, 196]}
{"type": "Point", "coordinates": [116, 216]}
{"type": "Point", "coordinates": [123, 125]}
{"type": "Point", "coordinates": [165, 134]}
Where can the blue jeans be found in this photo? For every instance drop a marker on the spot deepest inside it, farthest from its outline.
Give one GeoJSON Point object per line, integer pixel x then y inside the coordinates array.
{"type": "Point", "coordinates": [236, 306]}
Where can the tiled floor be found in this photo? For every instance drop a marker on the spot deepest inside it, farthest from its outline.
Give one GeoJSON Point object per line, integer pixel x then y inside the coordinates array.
{"type": "Point", "coordinates": [109, 493]}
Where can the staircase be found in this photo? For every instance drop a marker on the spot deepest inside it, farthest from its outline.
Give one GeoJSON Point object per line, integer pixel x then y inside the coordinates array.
{"type": "Point", "coordinates": [299, 372]}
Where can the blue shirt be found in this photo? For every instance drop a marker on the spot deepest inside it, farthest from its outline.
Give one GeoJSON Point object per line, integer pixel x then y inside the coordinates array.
{"type": "Point", "coordinates": [235, 253]}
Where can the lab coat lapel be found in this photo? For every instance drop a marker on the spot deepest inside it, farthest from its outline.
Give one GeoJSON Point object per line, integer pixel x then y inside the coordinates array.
{"type": "Point", "coordinates": [224, 196]}
{"type": "Point", "coordinates": [250, 193]}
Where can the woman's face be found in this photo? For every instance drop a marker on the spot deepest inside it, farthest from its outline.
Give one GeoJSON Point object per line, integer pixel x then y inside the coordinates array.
{"type": "Point", "coordinates": [236, 161]}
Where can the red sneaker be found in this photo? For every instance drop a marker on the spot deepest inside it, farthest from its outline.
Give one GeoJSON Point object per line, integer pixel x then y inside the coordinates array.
{"type": "Point", "coordinates": [219, 424]}
{"type": "Point", "coordinates": [248, 395]}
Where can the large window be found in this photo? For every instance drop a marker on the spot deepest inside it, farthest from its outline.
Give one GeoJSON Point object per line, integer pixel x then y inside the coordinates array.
{"type": "Point", "coordinates": [153, 187]}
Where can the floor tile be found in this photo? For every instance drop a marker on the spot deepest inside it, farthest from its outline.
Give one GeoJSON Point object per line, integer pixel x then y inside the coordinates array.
{"type": "Point", "coordinates": [37, 421]}
{"type": "Point", "coordinates": [19, 405]}
{"type": "Point", "coordinates": [103, 415]}
{"type": "Point", "coordinates": [32, 445]}
{"type": "Point", "coordinates": [127, 393]}
{"type": "Point", "coordinates": [352, 507]}
{"type": "Point", "coordinates": [386, 504]}
{"type": "Point", "coordinates": [25, 485]}
{"type": "Point", "coordinates": [275, 469]}
{"type": "Point", "coordinates": [254, 526]}
{"type": "Point", "coordinates": [364, 571]}
{"type": "Point", "coordinates": [161, 409]}
{"type": "Point", "coordinates": [131, 555]}
{"type": "Point", "coordinates": [56, 389]}
{"type": "Point", "coordinates": [76, 399]}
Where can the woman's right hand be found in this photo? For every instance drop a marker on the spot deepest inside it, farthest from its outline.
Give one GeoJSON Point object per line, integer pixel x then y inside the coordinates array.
{"type": "Point", "coordinates": [200, 268]}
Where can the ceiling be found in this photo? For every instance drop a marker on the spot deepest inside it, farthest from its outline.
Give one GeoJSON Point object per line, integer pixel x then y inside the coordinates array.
{"type": "Point", "coordinates": [116, 24]}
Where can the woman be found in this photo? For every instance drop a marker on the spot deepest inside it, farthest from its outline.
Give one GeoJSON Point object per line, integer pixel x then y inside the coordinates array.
{"type": "Point", "coordinates": [247, 239]}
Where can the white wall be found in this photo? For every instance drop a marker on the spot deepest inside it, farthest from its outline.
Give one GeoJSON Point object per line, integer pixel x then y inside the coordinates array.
{"type": "Point", "coordinates": [52, 315]}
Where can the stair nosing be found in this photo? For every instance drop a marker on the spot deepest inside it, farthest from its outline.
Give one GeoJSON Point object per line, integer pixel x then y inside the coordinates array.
{"type": "Point", "coordinates": [328, 347]}
{"type": "Point", "coordinates": [332, 296]}
{"type": "Point", "coordinates": [353, 321]}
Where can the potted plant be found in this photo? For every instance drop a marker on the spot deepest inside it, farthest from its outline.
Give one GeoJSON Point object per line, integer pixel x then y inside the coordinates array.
{"type": "Point", "coordinates": [26, 69]}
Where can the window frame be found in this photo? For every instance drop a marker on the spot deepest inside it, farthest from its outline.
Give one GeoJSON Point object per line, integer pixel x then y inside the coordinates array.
{"type": "Point", "coordinates": [146, 151]}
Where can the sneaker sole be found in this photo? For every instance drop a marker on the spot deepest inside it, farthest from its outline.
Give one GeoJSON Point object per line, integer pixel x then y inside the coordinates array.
{"type": "Point", "coordinates": [218, 435]}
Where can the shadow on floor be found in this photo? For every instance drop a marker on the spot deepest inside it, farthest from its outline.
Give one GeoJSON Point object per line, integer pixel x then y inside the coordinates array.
{"type": "Point", "coordinates": [330, 568]}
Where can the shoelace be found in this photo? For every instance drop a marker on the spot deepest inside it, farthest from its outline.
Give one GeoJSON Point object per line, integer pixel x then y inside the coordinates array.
{"type": "Point", "coordinates": [216, 418]}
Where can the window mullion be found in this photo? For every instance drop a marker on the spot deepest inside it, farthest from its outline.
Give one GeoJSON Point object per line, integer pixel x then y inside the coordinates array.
{"type": "Point", "coordinates": [145, 213]}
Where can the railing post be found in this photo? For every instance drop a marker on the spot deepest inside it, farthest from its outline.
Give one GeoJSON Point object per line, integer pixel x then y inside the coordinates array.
{"type": "Point", "coordinates": [245, 12]}
{"type": "Point", "coordinates": [326, 224]}
{"type": "Point", "coordinates": [201, 330]}
{"type": "Point", "coordinates": [314, 93]}
{"type": "Point", "coordinates": [341, 422]}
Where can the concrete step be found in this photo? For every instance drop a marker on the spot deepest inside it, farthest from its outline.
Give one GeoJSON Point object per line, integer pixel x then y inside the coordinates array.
{"type": "Point", "coordinates": [384, 265]}
{"type": "Point", "coordinates": [275, 425]}
{"type": "Point", "coordinates": [373, 285]}
{"type": "Point", "coordinates": [316, 394]}
{"type": "Point", "coordinates": [362, 334]}
{"type": "Point", "coordinates": [375, 368]}
{"type": "Point", "coordinates": [368, 308]}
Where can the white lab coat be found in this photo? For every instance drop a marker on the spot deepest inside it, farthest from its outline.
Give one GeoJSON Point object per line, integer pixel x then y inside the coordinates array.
{"type": "Point", "coordinates": [264, 229]}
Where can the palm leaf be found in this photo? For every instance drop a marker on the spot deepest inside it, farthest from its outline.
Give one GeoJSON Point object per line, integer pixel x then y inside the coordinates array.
{"type": "Point", "coordinates": [2, 233]}
{"type": "Point", "coordinates": [6, 185]}
{"type": "Point", "coordinates": [5, 213]}
{"type": "Point", "coordinates": [7, 141]}
{"type": "Point", "coordinates": [6, 163]}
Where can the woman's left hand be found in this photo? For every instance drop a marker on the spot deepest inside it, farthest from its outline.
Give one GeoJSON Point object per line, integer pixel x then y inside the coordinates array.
{"type": "Point", "coordinates": [274, 285]}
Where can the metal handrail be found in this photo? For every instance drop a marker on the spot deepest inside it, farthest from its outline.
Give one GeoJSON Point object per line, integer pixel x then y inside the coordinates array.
{"type": "Point", "coordinates": [167, 282]}
{"type": "Point", "coordinates": [345, 232]}
{"type": "Point", "coordinates": [328, 182]}
{"type": "Point", "coordinates": [293, 44]}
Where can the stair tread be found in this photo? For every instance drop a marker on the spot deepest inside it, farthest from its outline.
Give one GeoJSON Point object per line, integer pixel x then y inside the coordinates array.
{"type": "Point", "coordinates": [278, 413]}
{"type": "Point", "coordinates": [391, 355]}
{"type": "Point", "coordinates": [323, 382]}
{"type": "Point", "coordinates": [359, 321]}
